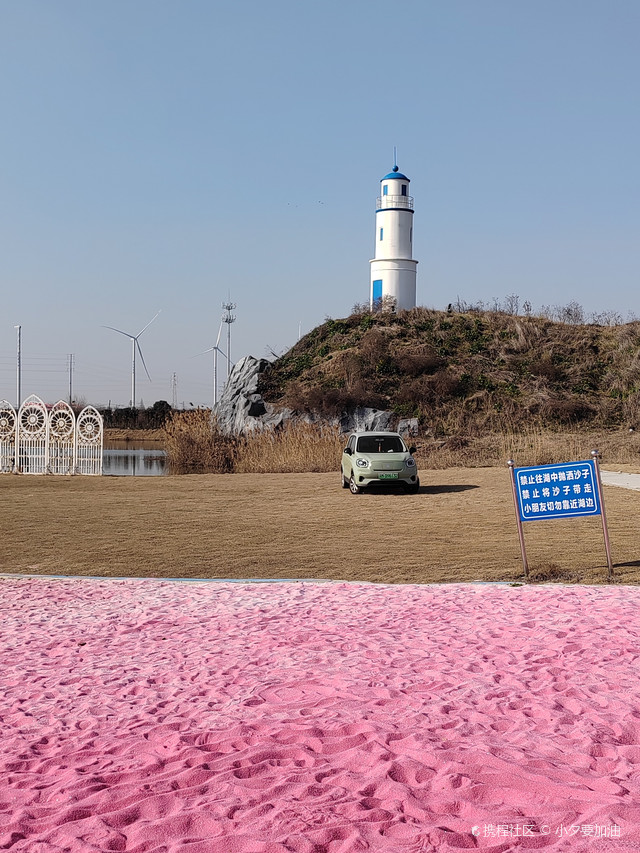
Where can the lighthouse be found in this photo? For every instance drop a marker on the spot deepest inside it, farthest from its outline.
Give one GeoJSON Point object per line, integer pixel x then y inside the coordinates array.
{"type": "Point", "coordinates": [393, 270]}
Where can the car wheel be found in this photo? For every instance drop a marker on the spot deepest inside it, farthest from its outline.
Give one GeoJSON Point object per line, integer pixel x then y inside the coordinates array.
{"type": "Point", "coordinates": [343, 480]}
{"type": "Point", "coordinates": [355, 488]}
{"type": "Point", "coordinates": [413, 488]}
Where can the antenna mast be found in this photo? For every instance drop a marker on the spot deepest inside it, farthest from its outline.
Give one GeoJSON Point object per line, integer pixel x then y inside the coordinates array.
{"type": "Point", "coordinates": [229, 318]}
{"type": "Point", "coordinates": [174, 391]}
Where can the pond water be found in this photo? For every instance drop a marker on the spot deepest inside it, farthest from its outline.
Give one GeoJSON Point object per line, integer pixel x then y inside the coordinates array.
{"type": "Point", "coordinates": [133, 459]}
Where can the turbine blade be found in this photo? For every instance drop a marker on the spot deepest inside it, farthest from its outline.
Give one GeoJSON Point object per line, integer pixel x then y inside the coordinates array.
{"type": "Point", "coordinates": [219, 333]}
{"type": "Point", "coordinates": [222, 352]}
{"type": "Point", "coordinates": [148, 324]}
{"type": "Point", "coordinates": [204, 352]}
{"type": "Point", "coordinates": [126, 334]}
{"type": "Point", "coordinates": [142, 359]}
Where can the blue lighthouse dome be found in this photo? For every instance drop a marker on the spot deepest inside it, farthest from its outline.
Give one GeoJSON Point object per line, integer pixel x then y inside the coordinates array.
{"type": "Point", "coordinates": [395, 174]}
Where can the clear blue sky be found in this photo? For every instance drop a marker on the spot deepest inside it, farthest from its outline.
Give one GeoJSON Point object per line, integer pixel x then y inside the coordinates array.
{"type": "Point", "coordinates": [162, 153]}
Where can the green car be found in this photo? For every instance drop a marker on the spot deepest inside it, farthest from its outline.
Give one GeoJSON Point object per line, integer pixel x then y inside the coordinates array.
{"type": "Point", "coordinates": [374, 458]}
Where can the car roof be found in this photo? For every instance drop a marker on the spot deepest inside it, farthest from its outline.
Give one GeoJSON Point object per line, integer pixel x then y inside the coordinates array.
{"type": "Point", "coordinates": [375, 432]}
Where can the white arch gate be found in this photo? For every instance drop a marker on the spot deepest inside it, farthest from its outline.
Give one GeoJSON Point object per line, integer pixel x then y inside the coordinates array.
{"type": "Point", "coordinates": [32, 441]}
{"type": "Point", "coordinates": [8, 419]}
{"type": "Point", "coordinates": [89, 441]}
{"type": "Point", "coordinates": [50, 440]}
{"type": "Point", "coordinates": [62, 439]}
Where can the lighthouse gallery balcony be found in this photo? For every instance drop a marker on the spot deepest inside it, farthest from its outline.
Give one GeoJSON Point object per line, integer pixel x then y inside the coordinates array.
{"type": "Point", "coordinates": [397, 202]}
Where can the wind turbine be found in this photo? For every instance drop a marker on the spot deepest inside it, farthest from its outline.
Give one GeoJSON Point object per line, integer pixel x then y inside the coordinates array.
{"type": "Point", "coordinates": [134, 344]}
{"type": "Point", "coordinates": [215, 350]}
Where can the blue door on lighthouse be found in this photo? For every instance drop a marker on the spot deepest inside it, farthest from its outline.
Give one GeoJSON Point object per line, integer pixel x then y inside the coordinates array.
{"type": "Point", "coordinates": [377, 291]}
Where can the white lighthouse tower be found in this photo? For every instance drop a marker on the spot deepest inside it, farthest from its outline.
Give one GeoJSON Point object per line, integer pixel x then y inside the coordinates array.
{"type": "Point", "coordinates": [393, 270]}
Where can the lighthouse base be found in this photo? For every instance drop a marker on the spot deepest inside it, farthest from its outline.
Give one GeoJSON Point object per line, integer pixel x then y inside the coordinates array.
{"type": "Point", "coordinates": [393, 284]}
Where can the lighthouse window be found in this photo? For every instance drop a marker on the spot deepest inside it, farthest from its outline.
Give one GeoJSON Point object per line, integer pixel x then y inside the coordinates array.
{"type": "Point", "coordinates": [385, 189]}
{"type": "Point", "coordinates": [381, 232]}
{"type": "Point", "coordinates": [404, 189]}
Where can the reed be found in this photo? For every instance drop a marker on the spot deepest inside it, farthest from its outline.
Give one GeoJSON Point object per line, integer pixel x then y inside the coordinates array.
{"type": "Point", "coordinates": [195, 445]}
{"type": "Point", "coordinates": [296, 449]}
{"type": "Point", "coordinates": [531, 446]}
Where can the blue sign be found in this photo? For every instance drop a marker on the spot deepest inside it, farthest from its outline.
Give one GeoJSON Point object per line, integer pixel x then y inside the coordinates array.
{"type": "Point", "coordinates": [557, 491]}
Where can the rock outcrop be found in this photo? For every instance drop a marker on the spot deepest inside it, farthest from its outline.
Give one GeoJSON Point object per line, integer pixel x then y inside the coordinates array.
{"type": "Point", "coordinates": [364, 418]}
{"type": "Point", "coordinates": [242, 409]}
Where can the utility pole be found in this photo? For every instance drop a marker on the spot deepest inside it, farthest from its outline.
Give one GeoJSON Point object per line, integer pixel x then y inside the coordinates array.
{"type": "Point", "coordinates": [70, 366]}
{"type": "Point", "coordinates": [229, 318]}
{"type": "Point", "coordinates": [215, 377]}
{"type": "Point", "coordinates": [216, 349]}
{"type": "Point", "coordinates": [19, 368]}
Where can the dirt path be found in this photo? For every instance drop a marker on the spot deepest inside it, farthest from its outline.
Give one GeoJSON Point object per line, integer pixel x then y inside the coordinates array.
{"type": "Point", "coordinates": [459, 528]}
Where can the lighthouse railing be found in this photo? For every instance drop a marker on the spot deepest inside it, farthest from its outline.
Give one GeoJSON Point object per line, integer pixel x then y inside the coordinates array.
{"type": "Point", "coordinates": [401, 202]}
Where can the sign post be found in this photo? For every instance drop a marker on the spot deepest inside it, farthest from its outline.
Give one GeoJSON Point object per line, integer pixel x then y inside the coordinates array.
{"type": "Point", "coordinates": [596, 465]}
{"type": "Point", "coordinates": [567, 490]}
{"type": "Point", "coordinates": [523, 550]}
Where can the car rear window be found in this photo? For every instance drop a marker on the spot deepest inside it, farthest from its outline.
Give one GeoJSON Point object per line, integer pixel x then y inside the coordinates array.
{"type": "Point", "coordinates": [380, 444]}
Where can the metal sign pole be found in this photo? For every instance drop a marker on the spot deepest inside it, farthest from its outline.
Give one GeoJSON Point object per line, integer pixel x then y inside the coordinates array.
{"type": "Point", "coordinates": [511, 465]}
{"type": "Point", "coordinates": [596, 465]}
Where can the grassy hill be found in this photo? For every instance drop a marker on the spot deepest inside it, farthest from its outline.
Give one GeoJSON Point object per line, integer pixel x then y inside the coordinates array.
{"type": "Point", "coordinates": [465, 373]}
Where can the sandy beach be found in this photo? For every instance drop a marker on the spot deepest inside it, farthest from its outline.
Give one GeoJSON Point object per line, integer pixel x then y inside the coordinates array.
{"type": "Point", "coordinates": [150, 716]}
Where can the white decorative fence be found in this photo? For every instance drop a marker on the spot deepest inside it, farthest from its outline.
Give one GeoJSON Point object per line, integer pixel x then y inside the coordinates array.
{"type": "Point", "coordinates": [42, 439]}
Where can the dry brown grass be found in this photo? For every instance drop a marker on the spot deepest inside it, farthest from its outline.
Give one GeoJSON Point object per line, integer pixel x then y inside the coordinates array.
{"type": "Point", "coordinates": [533, 446]}
{"type": "Point", "coordinates": [460, 527]}
{"type": "Point", "coordinates": [298, 448]}
{"type": "Point", "coordinates": [117, 434]}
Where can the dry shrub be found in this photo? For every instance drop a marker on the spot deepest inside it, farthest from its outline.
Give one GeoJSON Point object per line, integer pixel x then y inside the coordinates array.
{"type": "Point", "coordinates": [455, 452]}
{"type": "Point", "coordinates": [444, 383]}
{"type": "Point", "coordinates": [332, 402]}
{"type": "Point", "coordinates": [297, 448]}
{"type": "Point", "coordinates": [195, 445]}
{"type": "Point", "coordinates": [551, 573]}
{"type": "Point", "coordinates": [533, 446]}
{"type": "Point", "coordinates": [374, 347]}
{"type": "Point", "coordinates": [413, 393]}
{"type": "Point", "coordinates": [328, 401]}
{"type": "Point", "coordinates": [419, 363]}
{"type": "Point", "coordinates": [566, 411]}
{"type": "Point", "coordinates": [295, 397]}
{"type": "Point", "coordinates": [620, 447]}
{"type": "Point", "coordinates": [536, 446]}
{"type": "Point", "coordinates": [545, 367]}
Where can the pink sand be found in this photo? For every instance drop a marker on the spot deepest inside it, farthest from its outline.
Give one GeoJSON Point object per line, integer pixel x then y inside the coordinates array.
{"type": "Point", "coordinates": [158, 717]}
